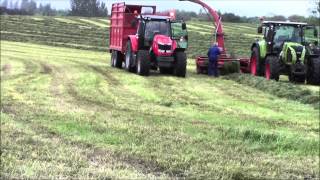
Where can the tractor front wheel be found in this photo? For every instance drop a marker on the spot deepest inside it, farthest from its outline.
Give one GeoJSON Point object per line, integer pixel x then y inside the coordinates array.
{"type": "Point", "coordinates": [129, 58]}
{"type": "Point", "coordinates": [313, 71]}
{"type": "Point", "coordinates": [143, 63]}
{"type": "Point", "coordinates": [180, 64]}
{"type": "Point", "coordinates": [297, 73]}
{"type": "Point", "coordinates": [272, 68]}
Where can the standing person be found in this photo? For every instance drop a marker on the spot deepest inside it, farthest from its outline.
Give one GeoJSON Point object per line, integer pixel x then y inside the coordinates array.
{"type": "Point", "coordinates": [213, 55]}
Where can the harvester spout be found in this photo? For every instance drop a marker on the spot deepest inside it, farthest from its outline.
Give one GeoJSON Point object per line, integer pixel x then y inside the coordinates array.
{"type": "Point", "coordinates": [219, 35]}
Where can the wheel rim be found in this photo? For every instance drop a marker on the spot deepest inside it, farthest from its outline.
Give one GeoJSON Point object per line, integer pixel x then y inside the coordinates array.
{"type": "Point", "coordinates": [112, 59]}
{"type": "Point", "coordinates": [139, 67]}
{"type": "Point", "coordinates": [127, 60]}
{"type": "Point", "coordinates": [253, 65]}
{"type": "Point", "coordinates": [267, 72]}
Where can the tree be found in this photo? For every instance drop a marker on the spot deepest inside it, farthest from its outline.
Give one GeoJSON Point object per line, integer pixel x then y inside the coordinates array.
{"type": "Point", "coordinates": [88, 8]}
{"type": "Point", "coordinates": [16, 5]}
{"type": "Point", "coordinates": [230, 17]}
{"type": "Point", "coordinates": [276, 18]}
{"type": "Point", "coordinates": [297, 18]}
{"type": "Point", "coordinates": [103, 10]}
{"type": "Point", "coordinates": [30, 7]}
{"type": "Point", "coordinates": [185, 15]}
{"type": "Point", "coordinates": [4, 4]}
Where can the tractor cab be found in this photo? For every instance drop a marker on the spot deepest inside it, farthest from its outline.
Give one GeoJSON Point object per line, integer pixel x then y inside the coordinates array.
{"type": "Point", "coordinates": [163, 30]}
{"type": "Point", "coordinates": [277, 33]}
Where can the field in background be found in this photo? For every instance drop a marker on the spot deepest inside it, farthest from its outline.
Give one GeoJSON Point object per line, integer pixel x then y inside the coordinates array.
{"type": "Point", "coordinates": [66, 113]}
{"type": "Point", "coordinates": [93, 33]}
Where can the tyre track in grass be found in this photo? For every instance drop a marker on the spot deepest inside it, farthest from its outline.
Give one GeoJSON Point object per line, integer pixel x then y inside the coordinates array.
{"type": "Point", "coordinates": [175, 170]}
{"type": "Point", "coordinates": [29, 69]}
{"type": "Point", "coordinates": [271, 122]}
{"type": "Point", "coordinates": [139, 163]}
{"type": "Point", "coordinates": [195, 103]}
{"type": "Point", "coordinates": [146, 167]}
{"type": "Point", "coordinates": [60, 77]}
{"type": "Point", "coordinates": [97, 157]}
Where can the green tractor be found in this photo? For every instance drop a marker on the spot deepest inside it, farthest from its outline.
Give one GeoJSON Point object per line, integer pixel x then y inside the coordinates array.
{"type": "Point", "coordinates": [287, 48]}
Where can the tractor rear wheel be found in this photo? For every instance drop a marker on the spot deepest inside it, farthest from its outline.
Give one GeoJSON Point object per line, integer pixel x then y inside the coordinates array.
{"type": "Point", "coordinates": [256, 66]}
{"type": "Point", "coordinates": [313, 71]}
{"type": "Point", "coordinates": [180, 64]}
{"type": "Point", "coordinates": [143, 63]}
{"type": "Point", "coordinates": [116, 59]}
{"type": "Point", "coordinates": [272, 68]}
{"type": "Point", "coordinates": [129, 58]}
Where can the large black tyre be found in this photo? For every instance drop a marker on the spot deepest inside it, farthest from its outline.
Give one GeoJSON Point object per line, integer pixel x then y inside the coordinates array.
{"type": "Point", "coordinates": [180, 68]}
{"type": "Point", "coordinates": [299, 77]}
{"type": "Point", "coordinates": [313, 71]}
{"type": "Point", "coordinates": [113, 61]}
{"type": "Point", "coordinates": [129, 64]}
{"type": "Point", "coordinates": [256, 64]}
{"type": "Point", "coordinates": [116, 60]}
{"type": "Point", "coordinates": [272, 68]}
{"type": "Point", "coordinates": [143, 63]}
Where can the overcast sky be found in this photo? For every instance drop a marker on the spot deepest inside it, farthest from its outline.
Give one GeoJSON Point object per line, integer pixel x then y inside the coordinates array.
{"type": "Point", "coordinates": [239, 7]}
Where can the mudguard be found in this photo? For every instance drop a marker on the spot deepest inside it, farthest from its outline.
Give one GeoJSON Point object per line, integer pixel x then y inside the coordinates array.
{"type": "Point", "coordinates": [134, 43]}
{"type": "Point", "coordinates": [288, 46]}
{"type": "Point", "coordinates": [262, 48]}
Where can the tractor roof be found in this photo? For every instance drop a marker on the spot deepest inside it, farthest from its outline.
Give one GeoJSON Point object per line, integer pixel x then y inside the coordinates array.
{"type": "Point", "coordinates": [285, 23]}
{"type": "Point", "coordinates": [155, 17]}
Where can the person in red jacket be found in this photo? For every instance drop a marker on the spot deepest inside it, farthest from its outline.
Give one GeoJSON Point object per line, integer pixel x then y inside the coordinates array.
{"type": "Point", "coordinates": [213, 55]}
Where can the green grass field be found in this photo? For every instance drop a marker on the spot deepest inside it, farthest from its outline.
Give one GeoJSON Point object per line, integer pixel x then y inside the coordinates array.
{"type": "Point", "coordinates": [65, 113]}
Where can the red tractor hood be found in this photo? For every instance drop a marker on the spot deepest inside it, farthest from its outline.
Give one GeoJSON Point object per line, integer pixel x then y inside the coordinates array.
{"type": "Point", "coordinates": [163, 45]}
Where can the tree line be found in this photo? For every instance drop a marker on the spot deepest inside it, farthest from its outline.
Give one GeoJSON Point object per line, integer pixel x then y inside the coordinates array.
{"type": "Point", "coordinates": [231, 17]}
{"type": "Point", "coordinates": [86, 8]}
{"type": "Point", "coordinates": [97, 8]}
{"type": "Point", "coordinates": [28, 7]}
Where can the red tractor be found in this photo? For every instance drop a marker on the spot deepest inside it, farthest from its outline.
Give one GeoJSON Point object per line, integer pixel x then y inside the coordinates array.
{"type": "Point", "coordinates": [141, 39]}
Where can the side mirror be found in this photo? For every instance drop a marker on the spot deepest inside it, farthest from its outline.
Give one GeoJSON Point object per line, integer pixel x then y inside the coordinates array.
{"type": "Point", "coordinates": [315, 33]}
{"type": "Point", "coordinates": [184, 26]}
{"type": "Point", "coordinates": [260, 30]}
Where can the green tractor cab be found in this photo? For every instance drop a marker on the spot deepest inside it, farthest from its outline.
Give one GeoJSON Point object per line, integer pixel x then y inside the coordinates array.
{"type": "Point", "coordinates": [288, 48]}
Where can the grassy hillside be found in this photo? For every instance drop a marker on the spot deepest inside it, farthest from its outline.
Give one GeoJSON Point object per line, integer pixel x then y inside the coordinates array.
{"type": "Point", "coordinates": [65, 113]}
{"type": "Point", "coordinates": [93, 34]}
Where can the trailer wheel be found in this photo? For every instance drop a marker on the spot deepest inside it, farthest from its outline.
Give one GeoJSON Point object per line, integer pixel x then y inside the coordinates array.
{"type": "Point", "coordinates": [272, 68]}
{"type": "Point", "coordinates": [256, 66]}
{"type": "Point", "coordinates": [116, 59]}
{"type": "Point", "coordinates": [180, 64]}
{"type": "Point", "coordinates": [113, 60]}
{"type": "Point", "coordinates": [143, 63]}
{"type": "Point", "coordinates": [313, 71]}
{"type": "Point", "coordinates": [129, 58]}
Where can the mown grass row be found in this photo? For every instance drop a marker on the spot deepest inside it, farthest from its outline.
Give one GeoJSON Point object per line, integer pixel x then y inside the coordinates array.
{"type": "Point", "coordinates": [108, 123]}
{"type": "Point", "coordinates": [280, 89]}
{"type": "Point", "coordinates": [51, 31]}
